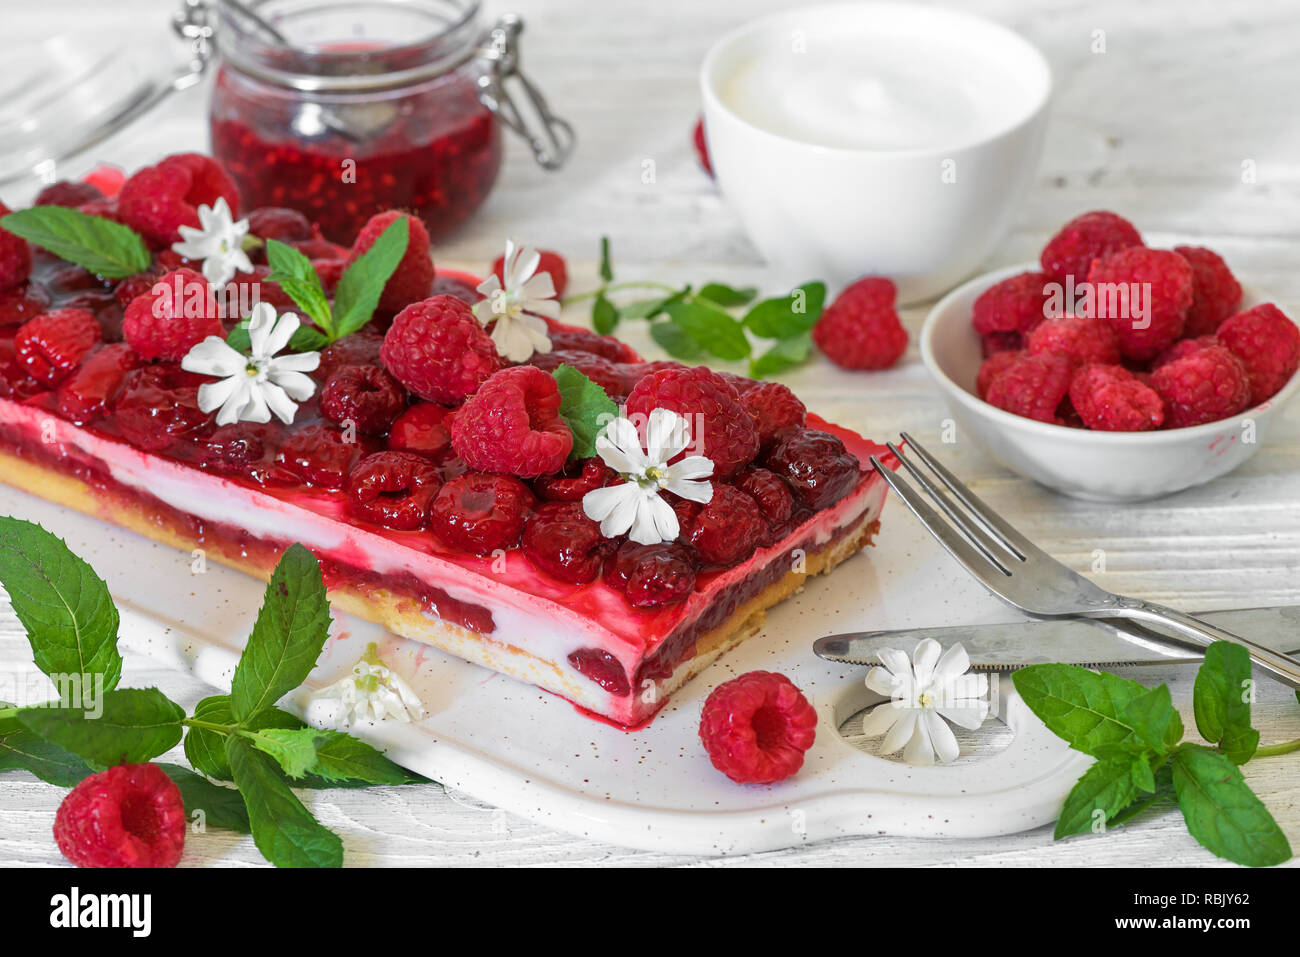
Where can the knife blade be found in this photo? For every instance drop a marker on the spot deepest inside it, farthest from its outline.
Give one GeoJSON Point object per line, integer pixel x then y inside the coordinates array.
{"type": "Point", "coordinates": [1080, 641]}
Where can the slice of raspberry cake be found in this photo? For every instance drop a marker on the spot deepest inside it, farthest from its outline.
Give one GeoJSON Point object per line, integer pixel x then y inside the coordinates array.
{"type": "Point", "coordinates": [446, 467]}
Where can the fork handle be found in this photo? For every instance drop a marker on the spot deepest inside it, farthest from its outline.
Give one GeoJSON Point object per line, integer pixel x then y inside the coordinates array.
{"type": "Point", "coordinates": [1281, 666]}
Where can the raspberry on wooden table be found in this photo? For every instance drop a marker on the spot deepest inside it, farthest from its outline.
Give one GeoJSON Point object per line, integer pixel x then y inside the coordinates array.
{"type": "Point", "coordinates": [756, 728]}
{"type": "Point", "coordinates": [1216, 294]}
{"type": "Point", "coordinates": [479, 513]}
{"type": "Point", "coordinates": [1267, 343]}
{"type": "Point", "coordinates": [131, 815]}
{"type": "Point", "coordinates": [1109, 398]}
{"type": "Point", "coordinates": [394, 489]}
{"type": "Point", "coordinates": [1207, 385]}
{"type": "Point", "coordinates": [412, 280]}
{"type": "Point", "coordinates": [51, 346]}
{"type": "Point", "coordinates": [861, 329]}
{"type": "Point", "coordinates": [1146, 327]}
{"type": "Point", "coordinates": [1085, 238]}
{"type": "Point", "coordinates": [721, 428]}
{"type": "Point", "coordinates": [512, 424]}
{"type": "Point", "coordinates": [439, 351]}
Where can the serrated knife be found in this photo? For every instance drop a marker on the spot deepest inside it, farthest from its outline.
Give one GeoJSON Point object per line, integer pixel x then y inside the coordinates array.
{"type": "Point", "coordinates": [1080, 641]}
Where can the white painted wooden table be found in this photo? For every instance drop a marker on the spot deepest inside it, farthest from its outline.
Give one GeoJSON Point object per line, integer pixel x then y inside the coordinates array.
{"type": "Point", "coordinates": [1159, 127]}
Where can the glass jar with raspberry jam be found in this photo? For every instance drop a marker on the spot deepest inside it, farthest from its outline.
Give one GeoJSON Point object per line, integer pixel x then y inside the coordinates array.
{"type": "Point", "coordinates": [343, 108]}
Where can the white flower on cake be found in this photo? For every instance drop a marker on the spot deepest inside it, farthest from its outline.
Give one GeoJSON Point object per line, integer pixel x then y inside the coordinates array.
{"type": "Point", "coordinates": [219, 242]}
{"type": "Point", "coordinates": [516, 302]}
{"type": "Point", "coordinates": [636, 506]}
{"type": "Point", "coordinates": [925, 691]}
{"type": "Point", "coordinates": [253, 386]}
{"type": "Point", "coordinates": [370, 692]}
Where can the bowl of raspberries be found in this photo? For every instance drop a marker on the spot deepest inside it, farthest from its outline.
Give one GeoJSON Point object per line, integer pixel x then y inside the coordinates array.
{"type": "Point", "coordinates": [1112, 370]}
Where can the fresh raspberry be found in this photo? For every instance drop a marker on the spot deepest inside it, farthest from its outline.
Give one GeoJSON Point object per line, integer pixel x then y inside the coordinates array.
{"type": "Point", "coordinates": [393, 489]}
{"type": "Point", "coordinates": [1216, 294]}
{"type": "Point", "coordinates": [131, 815]}
{"type": "Point", "coordinates": [757, 727]}
{"type": "Point", "coordinates": [68, 193]}
{"type": "Point", "coordinates": [726, 530]}
{"type": "Point", "coordinates": [1145, 328]}
{"type": "Point", "coordinates": [1013, 307]}
{"type": "Point", "coordinates": [599, 370]}
{"type": "Point", "coordinates": [568, 339]}
{"type": "Point", "coordinates": [133, 287]}
{"type": "Point", "coordinates": [992, 367]}
{"type": "Point", "coordinates": [598, 665]}
{"type": "Point", "coordinates": [439, 351]}
{"type": "Point", "coordinates": [860, 329]}
{"type": "Point", "coordinates": [174, 316]}
{"type": "Point", "coordinates": [53, 344]}
{"type": "Point", "coordinates": [240, 448]}
{"type": "Point", "coordinates": [651, 576]}
{"type": "Point", "coordinates": [721, 429]}
{"type": "Point", "coordinates": [321, 455]}
{"type": "Point", "coordinates": [774, 409]}
{"type": "Point", "coordinates": [89, 393]}
{"type": "Point", "coordinates": [551, 262]}
{"type": "Point", "coordinates": [575, 481]}
{"type": "Point", "coordinates": [512, 425]}
{"type": "Point", "coordinates": [359, 349]}
{"type": "Point", "coordinates": [740, 383]}
{"type": "Point", "coordinates": [702, 146]}
{"type": "Point", "coordinates": [158, 406]}
{"type": "Point", "coordinates": [996, 343]}
{"type": "Point", "coordinates": [1080, 339]}
{"type": "Point", "coordinates": [457, 288]}
{"type": "Point", "coordinates": [157, 200]}
{"type": "Point", "coordinates": [279, 223]}
{"type": "Point", "coordinates": [1183, 347]}
{"type": "Point", "coordinates": [1085, 238]}
{"type": "Point", "coordinates": [816, 465]}
{"type": "Point", "coordinates": [775, 501]}
{"type": "Point", "coordinates": [1268, 345]}
{"type": "Point", "coordinates": [633, 372]}
{"type": "Point", "coordinates": [562, 541]}
{"type": "Point", "coordinates": [413, 277]}
{"type": "Point", "coordinates": [1032, 386]}
{"type": "Point", "coordinates": [15, 256]}
{"type": "Point", "coordinates": [318, 247]}
{"type": "Point", "coordinates": [423, 428]}
{"type": "Point", "coordinates": [366, 396]}
{"type": "Point", "coordinates": [480, 513]}
{"type": "Point", "coordinates": [1208, 385]}
{"type": "Point", "coordinates": [1111, 399]}
{"type": "Point", "coordinates": [23, 302]}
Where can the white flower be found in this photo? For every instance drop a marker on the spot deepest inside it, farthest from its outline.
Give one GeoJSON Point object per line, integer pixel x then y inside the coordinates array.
{"type": "Point", "coordinates": [516, 301]}
{"type": "Point", "coordinates": [254, 386]}
{"type": "Point", "coordinates": [218, 242]}
{"type": "Point", "coordinates": [371, 692]}
{"type": "Point", "coordinates": [636, 503]}
{"type": "Point", "coordinates": [925, 691]}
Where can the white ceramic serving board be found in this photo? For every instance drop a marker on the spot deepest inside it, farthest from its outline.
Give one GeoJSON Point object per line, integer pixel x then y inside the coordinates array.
{"type": "Point", "coordinates": [533, 754]}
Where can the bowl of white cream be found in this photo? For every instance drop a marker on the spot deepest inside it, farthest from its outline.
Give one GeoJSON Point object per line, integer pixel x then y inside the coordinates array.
{"type": "Point", "coordinates": [875, 139]}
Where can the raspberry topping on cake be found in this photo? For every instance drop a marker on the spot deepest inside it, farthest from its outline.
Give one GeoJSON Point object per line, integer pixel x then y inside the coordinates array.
{"type": "Point", "coordinates": [53, 344]}
{"type": "Point", "coordinates": [816, 466]}
{"type": "Point", "coordinates": [651, 576]}
{"type": "Point", "coordinates": [412, 280]}
{"type": "Point", "coordinates": [366, 396]}
{"type": "Point", "coordinates": [727, 529]}
{"type": "Point", "coordinates": [176, 314]}
{"type": "Point", "coordinates": [279, 223]}
{"type": "Point", "coordinates": [774, 409]}
{"type": "Point", "coordinates": [158, 200]}
{"type": "Point", "coordinates": [68, 193]}
{"type": "Point", "coordinates": [775, 501]}
{"type": "Point", "coordinates": [575, 481]}
{"type": "Point", "coordinates": [1267, 343]}
{"type": "Point", "coordinates": [423, 428]}
{"type": "Point", "coordinates": [512, 424]}
{"type": "Point", "coordinates": [439, 351]}
{"type": "Point", "coordinates": [1085, 238]}
{"type": "Point", "coordinates": [480, 513]}
{"type": "Point", "coordinates": [599, 370]}
{"type": "Point", "coordinates": [90, 392]}
{"type": "Point", "coordinates": [721, 428]}
{"type": "Point", "coordinates": [393, 489]}
{"type": "Point", "coordinates": [15, 256]}
{"type": "Point", "coordinates": [24, 301]}
{"type": "Point", "coordinates": [157, 406]}
{"type": "Point", "coordinates": [320, 455]}
{"type": "Point", "coordinates": [562, 541]}
{"type": "Point", "coordinates": [757, 727]}
{"type": "Point", "coordinates": [861, 329]}
{"type": "Point", "coordinates": [131, 815]}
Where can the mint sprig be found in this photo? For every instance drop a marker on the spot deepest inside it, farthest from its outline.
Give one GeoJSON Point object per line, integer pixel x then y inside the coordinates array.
{"type": "Point", "coordinates": [585, 407]}
{"type": "Point", "coordinates": [97, 244]}
{"type": "Point", "coordinates": [1136, 734]}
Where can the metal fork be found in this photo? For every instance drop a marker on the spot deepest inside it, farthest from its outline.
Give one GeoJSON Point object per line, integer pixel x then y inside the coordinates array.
{"type": "Point", "coordinates": [1027, 578]}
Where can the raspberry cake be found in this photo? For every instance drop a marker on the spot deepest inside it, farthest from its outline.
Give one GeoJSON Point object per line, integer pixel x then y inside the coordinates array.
{"type": "Point", "coordinates": [431, 473]}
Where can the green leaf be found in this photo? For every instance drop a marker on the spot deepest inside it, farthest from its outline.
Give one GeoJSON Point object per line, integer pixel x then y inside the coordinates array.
{"type": "Point", "coordinates": [206, 749]}
{"type": "Point", "coordinates": [305, 339]}
{"type": "Point", "coordinates": [784, 355]}
{"type": "Point", "coordinates": [283, 829]}
{"type": "Point", "coordinates": [1221, 701]}
{"type": "Point", "coordinates": [92, 242]}
{"type": "Point", "coordinates": [22, 750]}
{"type": "Point", "coordinates": [297, 277]}
{"type": "Point", "coordinates": [1161, 793]}
{"type": "Point", "coordinates": [1107, 786]}
{"type": "Point", "coordinates": [649, 308]}
{"type": "Point", "coordinates": [289, 635]}
{"type": "Point", "coordinates": [604, 317]}
{"type": "Point", "coordinates": [1222, 812]}
{"type": "Point", "coordinates": [293, 750]}
{"type": "Point", "coordinates": [1155, 722]}
{"type": "Point", "coordinates": [221, 806]}
{"type": "Point", "coordinates": [64, 606]}
{"type": "Point", "coordinates": [129, 725]}
{"type": "Point", "coordinates": [787, 316]}
{"type": "Point", "coordinates": [712, 328]}
{"type": "Point", "coordinates": [606, 266]}
{"type": "Point", "coordinates": [331, 755]}
{"type": "Point", "coordinates": [585, 408]}
{"type": "Point", "coordinates": [675, 340]}
{"type": "Point", "coordinates": [362, 283]}
{"type": "Point", "coordinates": [727, 296]}
{"type": "Point", "coordinates": [1079, 705]}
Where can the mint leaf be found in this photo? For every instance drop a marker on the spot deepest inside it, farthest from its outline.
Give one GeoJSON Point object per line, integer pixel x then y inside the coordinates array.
{"type": "Point", "coordinates": [1078, 705]}
{"type": "Point", "coordinates": [784, 355]}
{"type": "Point", "coordinates": [283, 829]}
{"type": "Point", "coordinates": [331, 755]}
{"type": "Point", "coordinates": [727, 296]}
{"type": "Point", "coordinates": [604, 317]}
{"type": "Point", "coordinates": [1107, 786]}
{"type": "Point", "coordinates": [22, 750]}
{"type": "Point", "coordinates": [287, 638]}
{"type": "Point", "coordinates": [100, 245]}
{"type": "Point", "coordinates": [221, 806]}
{"type": "Point", "coordinates": [63, 605]}
{"type": "Point", "coordinates": [1222, 812]}
{"type": "Point", "coordinates": [1220, 701]}
{"type": "Point", "coordinates": [362, 283]}
{"type": "Point", "coordinates": [136, 724]}
{"type": "Point", "coordinates": [712, 328]}
{"type": "Point", "coordinates": [1155, 722]}
{"type": "Point", "coordinates": [787, 316]}
{"type": "Point", "coordinates": [606, 267]}
{"type": "Point", "coordinates": [293, 750]}
{"type": "Point", "coordinates": [675, 341]}
{"type": "Point", "coordinates": [295, 274]}
{"type": "Point", "coordinates": [205, 749]}
{"type": "Point", "coordinates": [649, 308]}
{"type": "Point", "coordinates": [585, 408]}
{"type": "Point", "coordinates": [1161, 793]}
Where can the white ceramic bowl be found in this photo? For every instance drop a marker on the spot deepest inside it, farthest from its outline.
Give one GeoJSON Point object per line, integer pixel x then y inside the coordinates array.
{"type": "Point", "coordinates": [1098, 466]}
{"type": "Point", "coordinates": [926, 215]}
